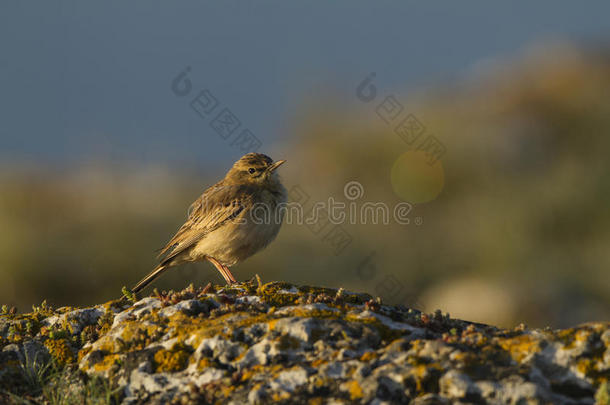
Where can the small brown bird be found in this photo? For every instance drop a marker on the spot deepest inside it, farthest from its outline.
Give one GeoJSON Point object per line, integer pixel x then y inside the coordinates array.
{"type": "Point", "coordinates": [231, 221]}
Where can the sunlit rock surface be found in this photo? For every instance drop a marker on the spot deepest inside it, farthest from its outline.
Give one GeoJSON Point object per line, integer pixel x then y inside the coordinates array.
{"type": "Point", "coordinates": [276, 342]}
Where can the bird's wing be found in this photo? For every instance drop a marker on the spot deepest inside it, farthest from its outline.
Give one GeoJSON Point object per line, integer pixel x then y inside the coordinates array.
{"type": "Point", "coordinates": [217, 206]}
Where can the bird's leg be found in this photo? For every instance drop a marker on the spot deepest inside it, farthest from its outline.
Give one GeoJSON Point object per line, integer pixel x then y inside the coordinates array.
{"type": "Point", "coordinates": [229, 273]}
{"type": "Point", "coordinates": [221, 268]}
{"type": "Point", "coordinates": [222, 271]}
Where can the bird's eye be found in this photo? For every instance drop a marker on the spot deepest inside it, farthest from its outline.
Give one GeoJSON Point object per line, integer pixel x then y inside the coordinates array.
{"type": "Point", "coordinates": [251, 170]}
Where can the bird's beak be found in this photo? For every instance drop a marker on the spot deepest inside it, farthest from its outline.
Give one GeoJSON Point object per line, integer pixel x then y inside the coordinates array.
{"type": "Point", "coordinates": [275, 165]}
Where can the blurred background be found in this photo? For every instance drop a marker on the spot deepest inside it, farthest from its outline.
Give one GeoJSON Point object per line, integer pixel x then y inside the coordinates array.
{"type": "Point", "coordinates": [504, 161]}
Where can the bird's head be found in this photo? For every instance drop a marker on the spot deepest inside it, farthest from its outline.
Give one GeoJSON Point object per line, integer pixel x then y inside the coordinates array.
{"type": "Point", "coordinates": [254, 169]}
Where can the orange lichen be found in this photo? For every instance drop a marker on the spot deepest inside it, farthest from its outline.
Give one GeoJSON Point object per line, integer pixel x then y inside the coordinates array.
{"type": "Point", "coordinates": [520, 347]}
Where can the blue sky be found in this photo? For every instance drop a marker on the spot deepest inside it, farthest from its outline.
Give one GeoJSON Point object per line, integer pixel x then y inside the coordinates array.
{"type": "Point", "coordinates": [84, 81]}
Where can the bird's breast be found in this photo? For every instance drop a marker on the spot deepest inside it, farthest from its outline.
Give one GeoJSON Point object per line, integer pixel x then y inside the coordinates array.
{"type": "Point", "coordinates": [255, 227]}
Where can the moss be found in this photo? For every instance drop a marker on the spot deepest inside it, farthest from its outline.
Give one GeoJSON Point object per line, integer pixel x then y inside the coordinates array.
{"type": "Point", "coordinates": [306, 289]}
{"type": "Point", "coordinates": [234, 291]}
{"type": "Point", "coordinates": [104, 323]}
{"type": "Point", "coordinates": [271, 294]}
{"type": "Point", "coordinates": [44, 310]}
{"type": "Point", "coordinates": [88, 334]}
{"type": "Point", "coordinates": [273, 287]}
{"type": "Point", "coordinates": [24, 327]}
{"type": "Point", "coordinates": [279, 299]}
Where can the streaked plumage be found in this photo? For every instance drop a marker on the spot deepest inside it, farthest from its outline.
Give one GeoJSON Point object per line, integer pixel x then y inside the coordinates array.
{"type": "Point", "coordinates": [220, 227]}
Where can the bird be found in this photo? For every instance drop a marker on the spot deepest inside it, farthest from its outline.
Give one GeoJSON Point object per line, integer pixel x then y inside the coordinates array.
{"type": "Point", "coordinates": [232, 220]}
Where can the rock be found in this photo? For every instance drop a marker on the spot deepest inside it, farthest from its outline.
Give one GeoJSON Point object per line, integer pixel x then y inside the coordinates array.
{"type": "Point", "coordinates": [75, 321]}
{"type": "Point", "coordinates": [454, 384]}
{"type": "Point", "coordinates": [284, 343]}
{"type": "Point", "coordinates": [289, 380]}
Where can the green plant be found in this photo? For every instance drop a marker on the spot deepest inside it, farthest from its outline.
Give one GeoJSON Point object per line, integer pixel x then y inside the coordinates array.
{"type": "Point", "coordinates": [127, 293]}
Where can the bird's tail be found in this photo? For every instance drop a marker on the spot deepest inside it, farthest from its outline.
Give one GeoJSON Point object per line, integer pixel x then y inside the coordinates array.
{"type": "Point", "coordinates": [149, 278]}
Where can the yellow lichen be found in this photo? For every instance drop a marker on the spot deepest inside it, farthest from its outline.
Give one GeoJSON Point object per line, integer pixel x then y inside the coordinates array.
{"type": "Point", "coordinates": [139, 334]}
{"type": "Point", "coordinates": [318, 362]}
{"type": "Point", "coordinates": [203, 363]}
{"type": "Point", "coordinates": [367, 356]}
{"type": "Point", "coordinates": [602, 396]}
{"type": "Point", "coordinates": [585, 366]}
{"type": "Point", "coordinates": [354, 389]}
{"type": "Point", "coordinates": [175, 359]}
{"type": "Point", "coordinates": [314, 313]}
{"type": "Point", "coordinates": [184, 327]}
{"type": "Point", "coordinates": [520, 347]}
{"type": "Point", "coordinates": [107, 363]}
{"type": "Point", "coordinates": [385, 332]}
{"type": "Point", "coordinates": [280, 396]}
{"type": "Point", "coordinates": [423, 375]}
{"type": "Point", "coordinates": [60, 351]}
{"type": "Point", "coordinates": [83, 352]}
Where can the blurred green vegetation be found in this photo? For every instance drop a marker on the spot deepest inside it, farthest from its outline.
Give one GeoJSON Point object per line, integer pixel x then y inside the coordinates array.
{"type": "Point", "coordinates": [519, 232]}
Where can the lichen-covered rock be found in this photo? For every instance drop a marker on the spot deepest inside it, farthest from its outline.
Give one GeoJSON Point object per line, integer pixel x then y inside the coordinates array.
{"type": "Point", "coordinates": [277, 342]}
